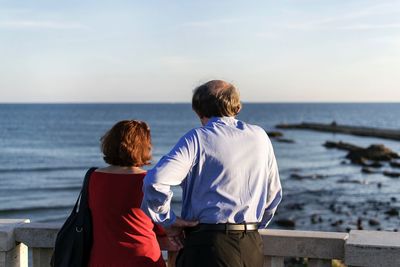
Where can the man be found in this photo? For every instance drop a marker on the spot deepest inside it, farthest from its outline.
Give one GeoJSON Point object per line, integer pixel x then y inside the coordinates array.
{"type": "Point", "coordinates": [230, 181]}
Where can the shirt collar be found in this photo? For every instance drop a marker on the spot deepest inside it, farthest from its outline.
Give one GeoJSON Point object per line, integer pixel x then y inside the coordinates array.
{"type": "Point", "coordinates": [224, 120]}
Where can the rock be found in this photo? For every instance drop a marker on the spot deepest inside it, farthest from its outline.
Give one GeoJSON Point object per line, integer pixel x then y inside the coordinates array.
{"type": "Point", "coordinates": [296, 176]}
{"type": "Point", "coordinates": [341, 145]}
{"type": "Point", "coordinates": [373, 222]}
{"type": "Point", "coordinates": [392, 212]}
{"type": "Point", "coordinates": [373, 152]}
{"type": "Point", "coordinates": [304, 177]}
{"type": "Point", "coordinates": [337, 223]}
{"type": "Point", "coordinates": [277, 136]}
{"type": "Point", "coordinates": [350, 181]}
{"type": "Point", "coordinates": [391, 174]}
{"type": "Point", "coordinates": [375, 164]}
{"type": "Point", "coordinates": [360, 155]}
{"type": "Point", "coordinates": [395, 164]}
{"type": "Point", "coordinates": [295, 206]}
{"type": "Point", "coordinates": [357, 160]}
{"type": "Point", "coordinates": [315, 218]}
{"type": "Point", "coordinates": [368, 170]}
{"type": "Point", "coordinates": [274, 134]}
{"type": "Point", "coordinates": [393, 199]}
{"type": "Point", "coordinates": [286, 223]}
{"type": "Point", "coordinates": [379, 185]}
{"type": "Point", "coordinates": [359, 224]}
{"type": "Point", "coordinates": [332, 207]}
{"type": "Point", "coordinates": [284, 140]}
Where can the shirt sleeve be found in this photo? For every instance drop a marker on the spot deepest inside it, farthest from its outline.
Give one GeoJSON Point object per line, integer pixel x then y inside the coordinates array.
{"type": "Point", "coordinates": [171, 170]}
{"type": "Point", "coordinates": [274, 189]}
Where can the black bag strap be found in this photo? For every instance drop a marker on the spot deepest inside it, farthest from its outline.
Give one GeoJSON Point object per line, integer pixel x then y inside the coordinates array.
{"type": "Point", "coordinates": [82, 202]}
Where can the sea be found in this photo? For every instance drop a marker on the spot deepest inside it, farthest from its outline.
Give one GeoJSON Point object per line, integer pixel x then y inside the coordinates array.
{"type": "Point", "coordinates": [45, 150]}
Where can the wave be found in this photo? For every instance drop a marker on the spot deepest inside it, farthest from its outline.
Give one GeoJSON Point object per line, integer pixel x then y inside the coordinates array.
{"type": "Point", "coordinates": [44, 169]}
{"type": "Point", "coordinates": [176, 200]}
{"type": "Point", "coordinates": [52, 219]}
{"type": "Point", "coordinates": [50, 188]}
{"type": "Point", "coordinates": [34, 208]}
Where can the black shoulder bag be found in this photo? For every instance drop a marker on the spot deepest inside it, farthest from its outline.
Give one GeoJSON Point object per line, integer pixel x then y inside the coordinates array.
{"type": "Point", "coordinates": [74, 240]}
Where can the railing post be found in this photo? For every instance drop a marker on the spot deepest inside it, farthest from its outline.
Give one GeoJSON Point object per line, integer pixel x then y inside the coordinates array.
{"type": "Point", "coordinates": [40, 237]}
{"type": "Point", "coordinates": [273, 261]}
{"type": "Point", "coordinates": [41, 256]}
{"type": "Point", "coordinates": [12, 253]}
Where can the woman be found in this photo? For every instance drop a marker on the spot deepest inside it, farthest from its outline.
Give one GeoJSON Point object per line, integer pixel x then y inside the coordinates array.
{"type": "Point", "coordinates": [122, 234]}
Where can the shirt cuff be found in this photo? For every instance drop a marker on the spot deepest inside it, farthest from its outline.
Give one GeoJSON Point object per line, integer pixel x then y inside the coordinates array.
{"type": "Point", "coordinates": [164, 219]}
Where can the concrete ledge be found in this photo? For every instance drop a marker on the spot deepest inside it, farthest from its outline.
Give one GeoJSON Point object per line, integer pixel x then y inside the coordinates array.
{"type": "Point", "coordinates": [359, 248]}
{"type": "Point", "coordinates": [372, 248]}
{"type": "Point", "coordinates": [7, 238]}
{"type": "Point", "coordinates": [307, 244]}
{"type": "Point", "coordinates": [37, 235]}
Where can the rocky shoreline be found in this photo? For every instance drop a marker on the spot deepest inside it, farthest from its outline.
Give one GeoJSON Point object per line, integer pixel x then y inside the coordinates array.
{"type": "Point", "coordinates": [325, 209]}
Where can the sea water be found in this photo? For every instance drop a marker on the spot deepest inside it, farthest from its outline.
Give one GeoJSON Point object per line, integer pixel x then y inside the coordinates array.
{"type": "Point", "coordinates": [45, 150]}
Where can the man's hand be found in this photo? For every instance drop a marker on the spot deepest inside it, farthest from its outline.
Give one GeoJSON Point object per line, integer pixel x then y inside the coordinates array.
{"type": "Point", "coordinates": [175, 231]}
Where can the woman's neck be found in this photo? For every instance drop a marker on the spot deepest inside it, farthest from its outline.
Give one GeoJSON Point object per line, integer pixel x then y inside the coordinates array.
{"type": "Point", "coordinates": [121, 169]}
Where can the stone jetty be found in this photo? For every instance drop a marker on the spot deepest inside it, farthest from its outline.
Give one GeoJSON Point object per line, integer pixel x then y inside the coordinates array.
{"type": "Point", "coordinates": [344, 129]}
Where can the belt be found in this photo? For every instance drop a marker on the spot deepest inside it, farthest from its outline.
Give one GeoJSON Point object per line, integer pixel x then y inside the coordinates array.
{"type": "Point", "coordinates": [224, 227]}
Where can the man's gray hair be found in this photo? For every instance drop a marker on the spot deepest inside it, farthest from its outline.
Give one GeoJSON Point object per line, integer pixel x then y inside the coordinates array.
{"type": "Point", "coordinates": [216, 98]}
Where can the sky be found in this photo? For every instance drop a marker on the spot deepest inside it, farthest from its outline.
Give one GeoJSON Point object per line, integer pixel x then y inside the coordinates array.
{"type": "Point", "coordinates": [159, 51]}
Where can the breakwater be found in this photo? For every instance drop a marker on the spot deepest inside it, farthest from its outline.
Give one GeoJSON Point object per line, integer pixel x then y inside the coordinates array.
{"type": "Point", "coordinates": [344, 129]}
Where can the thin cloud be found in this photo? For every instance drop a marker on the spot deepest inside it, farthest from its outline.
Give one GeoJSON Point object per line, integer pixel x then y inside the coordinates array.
{"type": "Point", "coordinates": [213, 22]}
{"type": "Point", "coordinates": [348, 21]}
{"type": "Point", "coordinates": [35, 24]}
{"type": "Point", "coordinates": [177, 61]}
{"type": "Point", "coordinates": [371, 26]}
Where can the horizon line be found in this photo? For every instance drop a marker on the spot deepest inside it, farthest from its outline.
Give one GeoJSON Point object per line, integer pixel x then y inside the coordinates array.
{"type": "Point", "coordinates": [179, 102]}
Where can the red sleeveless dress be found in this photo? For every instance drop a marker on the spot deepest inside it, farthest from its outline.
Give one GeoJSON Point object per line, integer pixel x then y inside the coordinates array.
{"type": "Point", "coordinates": [123, 235]}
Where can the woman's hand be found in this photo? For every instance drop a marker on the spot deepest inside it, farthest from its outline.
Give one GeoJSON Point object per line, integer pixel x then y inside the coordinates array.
{"type": "Point", "coordinates": [166, 244]}
{"type": "Point", "coordinates": [175, 231]}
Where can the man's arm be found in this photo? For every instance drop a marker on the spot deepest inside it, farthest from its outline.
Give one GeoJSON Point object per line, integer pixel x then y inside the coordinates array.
{"type": "Point", "coordinates": [171, 170]}
{"type": "Point", "coordinates": [274, 189]}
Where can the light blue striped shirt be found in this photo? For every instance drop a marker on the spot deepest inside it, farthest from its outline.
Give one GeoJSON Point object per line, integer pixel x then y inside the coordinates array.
{"type": "Point", "coordinates": [228, 173]}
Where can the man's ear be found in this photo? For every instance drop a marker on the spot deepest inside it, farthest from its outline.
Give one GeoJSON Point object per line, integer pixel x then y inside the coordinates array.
{"type": "Point", "coordinates": [238, 110]}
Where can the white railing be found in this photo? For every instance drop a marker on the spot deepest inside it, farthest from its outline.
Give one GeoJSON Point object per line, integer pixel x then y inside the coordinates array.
{"type": "Point", "coordinates": [358, 248]}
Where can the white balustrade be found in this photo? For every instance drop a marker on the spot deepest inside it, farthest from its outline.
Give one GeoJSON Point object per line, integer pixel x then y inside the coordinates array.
{"type": "Point", "coordinates": [358, 248]}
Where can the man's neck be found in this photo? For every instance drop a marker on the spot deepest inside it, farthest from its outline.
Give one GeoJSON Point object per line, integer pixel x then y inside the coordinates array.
{"type": "Point", "coordinates": [204, 120]}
